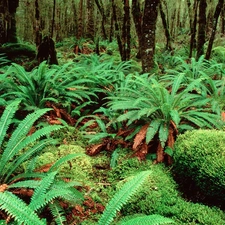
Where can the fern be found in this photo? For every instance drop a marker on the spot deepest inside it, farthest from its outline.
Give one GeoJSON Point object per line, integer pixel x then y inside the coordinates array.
{"type": "Point", "coordinates": [41, 190]}
{"type": "Point", "coordinates": [148, 220]}
{"type": "Point", "coordinates": [16, 208]}
{"type": "Point", "coordinates": [58, 213]}
{"type": "Point", "coordinates": [122, 197]}
{"type": "Point", "coordinates": [6, 119]}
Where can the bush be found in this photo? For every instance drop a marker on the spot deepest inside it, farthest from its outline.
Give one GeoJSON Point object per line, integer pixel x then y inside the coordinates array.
{"type": "Point", "coordinates": [199, 164]}
{"type": "Point", "coordinates": [159, 195]}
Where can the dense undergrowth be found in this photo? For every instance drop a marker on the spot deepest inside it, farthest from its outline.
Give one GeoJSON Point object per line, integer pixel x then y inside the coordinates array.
{"type": "Point", "coordinates": [88, 126]}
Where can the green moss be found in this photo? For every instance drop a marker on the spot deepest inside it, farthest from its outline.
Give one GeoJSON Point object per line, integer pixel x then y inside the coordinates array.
{"type": "Point", "coordinates": [199, 159]}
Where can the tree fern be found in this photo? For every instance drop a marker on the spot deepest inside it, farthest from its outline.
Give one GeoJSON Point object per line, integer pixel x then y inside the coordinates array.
{"type": "Point", "coordinates": [18, 210]}
{"type": "Point", "coordinates": [148, 220]}
{"type": "Point", "coordinates": [122, 197]}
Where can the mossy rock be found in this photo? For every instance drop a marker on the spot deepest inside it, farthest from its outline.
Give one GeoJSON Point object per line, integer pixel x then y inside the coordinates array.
{"type": "Point", "coordinates": [199, 165]}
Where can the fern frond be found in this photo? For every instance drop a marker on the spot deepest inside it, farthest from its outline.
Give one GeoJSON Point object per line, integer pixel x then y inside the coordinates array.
{"type": "Point", "coordinates": [19, 135]}
{"type": "Point", "coordinates": [16, 208]}
{"type": "Point", "coordinates": [12, 166]}
{"type": "Point", "coordinates": [25, 184]}
{"type": "Point", "coordinates": [45, 199]}
{"type": "Point", "coordinates": [64, 159]}
{"type": "Point", "coordinates": [122, 197]}
{"type": "Point", "coordinates": [57, 212]}
{"type": "Point", "coordinates": [148, 220]}
{"type": "Point", "coordinates": [6, 119]}
{"type": "Point", "coordinates": [40, 191]}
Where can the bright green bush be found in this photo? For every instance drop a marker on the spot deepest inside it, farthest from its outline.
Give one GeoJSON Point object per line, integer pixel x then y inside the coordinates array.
{"type": "Point", "coordinates": [159, 195]}
{"type": "Point", "coordinates": [199, 158]}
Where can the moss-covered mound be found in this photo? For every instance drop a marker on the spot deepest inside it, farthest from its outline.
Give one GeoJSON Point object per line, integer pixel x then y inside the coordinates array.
{"type": "Point", "coordinates": [199, 165]}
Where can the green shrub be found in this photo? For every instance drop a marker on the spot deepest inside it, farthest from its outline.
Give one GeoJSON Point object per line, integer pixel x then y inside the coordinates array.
{"type": "Point", "coordinates": [159, 195]}
{"type": "Point", "coordinates": [199, 159]}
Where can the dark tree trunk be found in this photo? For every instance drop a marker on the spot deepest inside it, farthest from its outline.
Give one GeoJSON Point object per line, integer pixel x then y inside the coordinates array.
{"type": "Point", "coordinates": [53, 18]}
{"type": "Point", "coordinates": [137, 17]}
{"type": "Point", "coordinates": [193, 28]}
{"type": "Point", "coordinates": [126, 32]}
{"type": "Point", "coordinates": [8, 21]}
{"type": "Point", "coordinates": [201, 28]}
{"type": "Point", "coordinates": [117, 29]}
{"type": "Point", "coordinates": [102, 12]}
{"type": "Point", "coordinates": [165, 25]}
{"type": "Point", "coordinates": [80, 20]}
{"type": "Point", "coordinates": [38, 36]}
{"type": "Point", "coordinates": [90, 20]}
{"type": "Point", "coordinates": [215, 21]}
{"type": "Point", "coordinates": [148, 34]}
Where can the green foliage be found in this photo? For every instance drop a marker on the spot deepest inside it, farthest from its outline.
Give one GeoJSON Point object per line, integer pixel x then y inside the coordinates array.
{"type": "Point", "coordinates": [16, 208]}
{"type": "Point", "coordinates": [199, 160]}
{"type": "Point", "coordinates": [58, 85]}
{"type": "Point", "coordinates": [12, 154]}
{"type": "Point", "coordinates": [146, 100]}
{"type": "Point", "coordinates": [122, 197]}
{"type": "Point", "coordinates": [159, 195]}
{"type": "Point", "coordinates": [148, 220]}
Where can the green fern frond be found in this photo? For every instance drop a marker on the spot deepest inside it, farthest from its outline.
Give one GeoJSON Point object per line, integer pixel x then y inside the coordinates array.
{"type": "Point", "coordinates": [52, 194]}
{"type": "Point", "coordinates": [64, 159]}
{"type": "Point", "coordinates": [40, 191]}
{"type": "Point", "coordinates": [57, 212]}
{"type": "Point", "coordinates": [6, 119]}
{"type": "Point", "coordinates": [25, 184]}
{"type": "Point", "coordinates": [152, 129]}
{"type": "Point", "coordinates": [12, 166]}
{"type": "Point", "coordinates": [148, 220]}
{"type": "Point", "coordinates": [19, 135]}
{"type": "Point", "coordinates": [16, 208]}
{"type": "Point", "coordinates": [122, 197]}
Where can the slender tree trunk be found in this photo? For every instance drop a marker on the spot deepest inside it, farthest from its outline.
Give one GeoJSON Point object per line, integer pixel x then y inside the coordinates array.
{"type": "Point", "coordinates": [215, 21]}
{"type": "Point", "coordinates": [201, 28]}
{"type": "Point", "coordinates": [148, 34]}
{"type": "Point", "coordinates": [90, 20]}
{"type": "Point", "coordinates": [126, 32]}
{"type": "Point", "coordinates": [117, 29]}
{"type": "Point", "coordinates": [3, 30]}
{"type": "Point", "coordinates": [193, 29]}
{"type": "Point", "coordinates": [11, 32]}
{"type": "Point", "coordinates": [80, 20]}
{"type": "Point", "coordinates": [53, 19]}
{"type": "Point", "coordinates": [137, 18]}
{"type": "Point", "coordinates": [166, 29]}
{"type": "Point", "coordinates": [38, 36]}
{"type": "Point", "coordinates": [102, 12]}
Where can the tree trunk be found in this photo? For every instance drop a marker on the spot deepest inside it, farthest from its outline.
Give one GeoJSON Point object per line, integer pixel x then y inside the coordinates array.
{"type": "Point", "coordinates": [126, 32]}
{"type": "Point", "coordinates": [80, 20]}
{"type": "Point", "coordinates": [215, 21]}
{"type": "Point", "coordinates": [137, 18]}
{"type": "Point", "coordinates": [11, 20]}
{"type": "Point", "coordinates": [148, 34]}
{"type": "Point", "coordinates": [53, 19]}
{"type": "Point", "coordinates": [90, 20]}
{"type": "Point", "coordinates": [201, 28]}
{"type": "Point", "coordinates": [223, 20]}
{"type": "Point", "coordinates": [166, 29]}
{"type": "Point", "coordinates": [117, 29]}
{"type": "Point", "coordinates": [38, 36]}
{"type": "Point", "coordinates": [102, 12]}
{"type": "Point", "coordinates": [193, 28]}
